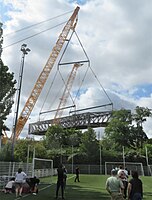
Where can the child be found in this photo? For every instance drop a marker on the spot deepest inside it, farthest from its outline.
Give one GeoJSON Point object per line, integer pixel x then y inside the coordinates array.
{"type": "Point", "coordinates": [10, 187]}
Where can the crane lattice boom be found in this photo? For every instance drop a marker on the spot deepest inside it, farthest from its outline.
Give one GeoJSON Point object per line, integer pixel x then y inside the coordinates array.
{"type": "Point", "coordinates": [66, 93]}
{"type": "Point", "coordinates": [29, 105]}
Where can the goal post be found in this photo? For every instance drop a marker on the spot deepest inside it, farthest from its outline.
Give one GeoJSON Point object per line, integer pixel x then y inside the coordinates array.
{"type": "Point", "coordinates": [43, 169]}
{"type": "Point", "coordinates": [150, 170]}
{"type": "Point", "coordinates": [131, 166]}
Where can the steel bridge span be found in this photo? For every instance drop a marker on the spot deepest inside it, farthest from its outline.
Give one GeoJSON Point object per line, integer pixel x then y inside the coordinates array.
{"type": "Point", "coordinates": [77, 121]}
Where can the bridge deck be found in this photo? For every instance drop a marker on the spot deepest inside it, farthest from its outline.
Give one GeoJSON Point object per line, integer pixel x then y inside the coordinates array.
{"type": "Point", "coordinates": [78, 121]}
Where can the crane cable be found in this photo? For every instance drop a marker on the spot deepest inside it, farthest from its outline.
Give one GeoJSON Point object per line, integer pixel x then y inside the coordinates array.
{"type": "Point", "coordinates": [55, 77]}
{"type": "Point", "coordinates": [48, 93]}
{"type": "Point", "coordinates": [81, 83]}
{"type": "Point", "coordinates": [92, 72]}
{"type": "Point", "coordinates": [97, 81]}
{"type": "Point", "coordinates": [101, 85]}
{"type": "Point", "coordinates": [65, 86]}
{"type": "Point", "coordinates": [33, 35]}
{"type": "Point", "coordinates": [54, 100]}
{"type": "Point", "coordinates": [30, 26]}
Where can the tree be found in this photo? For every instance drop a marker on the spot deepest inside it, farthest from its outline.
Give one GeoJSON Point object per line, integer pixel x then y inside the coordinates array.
{"type": "Point", "coordinates": [21, 150]}
{"type": "Point", "coordinates": [125, 129]}
{"type": "Point", "coordinates": [7, 90]}
{"type": "Point", "coordinates": [57, 136]}
{"type": "Point", "coordinates": [90, 146]}
{"type": "Point", "coordinates": [5, 152]}
{"type": "Point", "coordinates": [54, 137]}
{"type": "Point", "coordinates": [59, 141]}
{"type": "Point", "coordinates": [139, 117]}
{"type": "Point", "coordinates": [118, 129]}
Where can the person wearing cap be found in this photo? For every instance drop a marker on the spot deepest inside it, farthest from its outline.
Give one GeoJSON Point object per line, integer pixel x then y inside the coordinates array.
{"type": "Point", "coordinates": [114, 186]}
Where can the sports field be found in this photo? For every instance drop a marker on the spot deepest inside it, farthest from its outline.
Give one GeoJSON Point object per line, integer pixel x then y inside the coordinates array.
{"type": "Point", "coordinates": [90, 187]}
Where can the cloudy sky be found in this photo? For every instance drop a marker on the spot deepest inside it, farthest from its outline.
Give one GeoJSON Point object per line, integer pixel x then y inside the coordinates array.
{"type": "Point", "coordinates": [116, 36]}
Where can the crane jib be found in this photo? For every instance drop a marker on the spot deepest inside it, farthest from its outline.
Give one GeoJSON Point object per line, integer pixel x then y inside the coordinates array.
{"type": "Point", "coordinates": [29, 105]}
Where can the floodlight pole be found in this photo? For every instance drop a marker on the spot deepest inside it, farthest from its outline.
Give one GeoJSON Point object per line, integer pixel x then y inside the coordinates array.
{"type": "Point", "coordinates": [25, 51]}
{"type": "Point", "coordinates": [1, 104]}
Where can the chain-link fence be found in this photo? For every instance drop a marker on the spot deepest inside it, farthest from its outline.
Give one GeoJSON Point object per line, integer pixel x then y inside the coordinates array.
{"type": "Point", "coordinates": [9, 169]}
{"type": "Point", "coordinates": [100, 169]}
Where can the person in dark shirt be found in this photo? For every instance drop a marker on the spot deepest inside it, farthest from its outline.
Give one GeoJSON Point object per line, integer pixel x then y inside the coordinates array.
{"type": "Point", "coordinates": [60, 181]}
{"type": "Point", "coordinates": [77, 172]}
{"type": "Point", "coordinates": [135, 188]}
{"type": "Point", "coordinates": [33, 183]}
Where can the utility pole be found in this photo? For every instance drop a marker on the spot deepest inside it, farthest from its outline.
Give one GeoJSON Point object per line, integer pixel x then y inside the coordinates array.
{"type": "Point", "coordinates": [24, 51]}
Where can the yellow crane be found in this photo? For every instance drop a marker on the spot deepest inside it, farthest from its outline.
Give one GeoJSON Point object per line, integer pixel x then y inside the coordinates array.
{"type": "Point", "coordinates": [31, 101]}
{"type": "Point", "coordinates": [4, 138]}
{"type": "Point", "coordinates": [66, 93]}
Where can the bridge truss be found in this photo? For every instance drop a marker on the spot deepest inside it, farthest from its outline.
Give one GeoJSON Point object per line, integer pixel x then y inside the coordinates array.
{"type": "Point", "coordinates": [77, 121]}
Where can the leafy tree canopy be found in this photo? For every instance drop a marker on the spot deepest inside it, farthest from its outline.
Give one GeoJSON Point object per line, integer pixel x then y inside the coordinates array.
{"type": "Point", "coordinates": [57, 136]}
{"type": "Point", "coordinates": [7, 89]}
{"type": "Point", "coordinates": [125, 129]}
{"type": "Point", "coordinates": [90, 145]}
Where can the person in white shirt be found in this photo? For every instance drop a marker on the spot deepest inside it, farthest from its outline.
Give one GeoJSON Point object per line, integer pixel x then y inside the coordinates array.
{"type": "Point", "coordinates": [20, 179]}
{"type": "Point", "coordinates": [123, 175]}
{"type": "Point", "coordinates": [9, 186]}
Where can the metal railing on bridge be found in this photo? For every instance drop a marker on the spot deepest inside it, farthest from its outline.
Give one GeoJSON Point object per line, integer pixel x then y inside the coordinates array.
{"type": "Point", "coordinates": [78, 121]}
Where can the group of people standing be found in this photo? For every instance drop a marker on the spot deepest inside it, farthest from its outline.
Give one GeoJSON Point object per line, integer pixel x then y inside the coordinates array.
{"type": "Point", "coordinates": [118, 185]}
{"type": "Point", "coordinates": [17, 184]}
{"type": "Point", "coordinates": [120, 188]}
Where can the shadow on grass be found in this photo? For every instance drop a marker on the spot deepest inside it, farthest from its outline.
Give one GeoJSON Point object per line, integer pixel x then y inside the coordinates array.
{"type": "Point", "coordinates": [72, 192]}
{"type": "Point", "coordinates": [148, 194]}
{"type": "Point", "coordinates": [78, 192]}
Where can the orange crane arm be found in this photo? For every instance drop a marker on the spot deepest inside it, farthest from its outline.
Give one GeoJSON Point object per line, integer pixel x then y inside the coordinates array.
{"type": "Point", "coordinates": [29, 105]}
{"type": "Point", "coordinates": [66, 93]}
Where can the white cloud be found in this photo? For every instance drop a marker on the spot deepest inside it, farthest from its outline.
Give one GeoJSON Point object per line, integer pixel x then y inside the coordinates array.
{"type": "Point", "coordinates": [115, 34]}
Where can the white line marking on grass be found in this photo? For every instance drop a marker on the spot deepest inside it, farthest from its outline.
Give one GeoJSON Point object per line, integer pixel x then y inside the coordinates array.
{"type": "Point", "coordinates": [41, 189]}
{"type": "Point", "coordinates": [71, 177]}
{"type": "Point", "coordinates": [26, 195]}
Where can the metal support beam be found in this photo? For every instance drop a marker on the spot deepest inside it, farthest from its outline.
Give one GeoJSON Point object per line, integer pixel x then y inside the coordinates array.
{"type": "Point", "coordinates": [77, 121]}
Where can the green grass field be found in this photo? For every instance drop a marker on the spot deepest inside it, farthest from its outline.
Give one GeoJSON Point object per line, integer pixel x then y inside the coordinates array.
{"type": "Point", "coordinates": [90, 187]}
